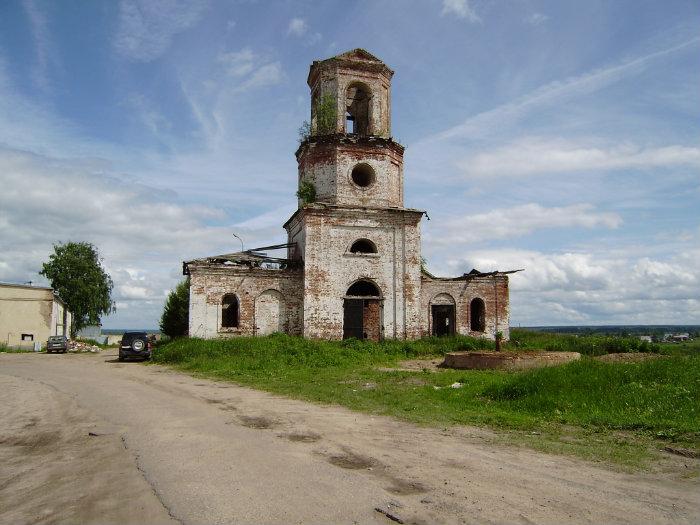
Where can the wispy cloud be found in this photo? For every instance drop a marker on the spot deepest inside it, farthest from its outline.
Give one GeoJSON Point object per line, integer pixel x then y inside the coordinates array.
{"type": "Point", "coordinates": [515, 222]}
{"type": "Point", "coordinates": [460, 9]}
{"type": "Point", "coordinates": [539, 156]}
{"type": "Point", "coordinates": [297, 27]}
{"type": "Point", "coordinates": [147, 27]}
{"type": "Point", "coordinates": [42, 43]}
{"type": "Point", "coordinates": [238, 63]}
{"type": "Point", "coordinates": [554, 92]}
{"type": "Point", "coordinates": [536, 19]}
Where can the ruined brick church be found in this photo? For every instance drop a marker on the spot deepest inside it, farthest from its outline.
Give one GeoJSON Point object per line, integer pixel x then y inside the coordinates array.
{"type": "Point", "coordinates": [351, 266]}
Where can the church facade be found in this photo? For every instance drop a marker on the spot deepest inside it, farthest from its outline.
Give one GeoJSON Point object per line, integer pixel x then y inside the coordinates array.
{"type": "Point", "coordinates": [351, 266]}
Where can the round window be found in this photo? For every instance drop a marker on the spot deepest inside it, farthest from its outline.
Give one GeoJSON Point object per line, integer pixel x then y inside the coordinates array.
{"type": "Point", "coordinates": [362, 175]}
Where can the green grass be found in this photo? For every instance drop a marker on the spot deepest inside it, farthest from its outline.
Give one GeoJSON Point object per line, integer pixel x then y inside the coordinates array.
{"type": "Point", "coordinates": [593, 344]}
{"type": "Point", "coordinates": [625, 406]}
{"type": "Point", "coordinates": [13, 350]}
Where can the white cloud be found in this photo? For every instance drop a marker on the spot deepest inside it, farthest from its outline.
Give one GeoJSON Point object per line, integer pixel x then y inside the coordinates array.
{"type": "Point", "coordinates": [147, 27]}
{"type": "Point", "coordinates": [238, 63]}
{"type": "Point", "coordinates": [533, 156]}
{"type": "Point", "coordinates": [594, 287]}
{"type": "Point", "coordinates": [142, 233]}
{"type": "Point", "coordinates": [461, 9]}
{"type": "Point", "coordinates": [516, 222]}
{"type": "Point", "coordinates": [267, 75]}
{"type": "Point", "coordinates": [536, 19]}
{"type": "Point", "coordinates": [297, 27]}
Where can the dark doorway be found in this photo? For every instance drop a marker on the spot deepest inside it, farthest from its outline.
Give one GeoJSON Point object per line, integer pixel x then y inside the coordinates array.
{"type": "Point", "coordinates": [443, 319]}
{"type": "Point", "coordinates": [362, 316]}
{"type": "Point", "coordinates": [477, 315]}
{"type": "Point", "coordinates": [352, 319]}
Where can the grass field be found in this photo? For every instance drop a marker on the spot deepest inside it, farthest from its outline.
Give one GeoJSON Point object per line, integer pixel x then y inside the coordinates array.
{"type": "Point", "coordinates": [610, 411]}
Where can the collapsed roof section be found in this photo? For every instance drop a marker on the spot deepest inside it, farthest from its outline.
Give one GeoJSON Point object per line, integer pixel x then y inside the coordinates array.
{"type": "Point", "coordinates": [254, 258]}
{"type": "Point", "coordinates": [471, 275]}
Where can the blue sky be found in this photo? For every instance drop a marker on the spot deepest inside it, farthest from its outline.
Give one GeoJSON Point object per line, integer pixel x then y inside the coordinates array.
{"type": "Point", "coordinates": [561, 137]}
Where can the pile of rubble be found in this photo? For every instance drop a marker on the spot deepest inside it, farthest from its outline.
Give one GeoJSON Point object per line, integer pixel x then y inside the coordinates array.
{"type": "Point", "coordinates": [80, 346]}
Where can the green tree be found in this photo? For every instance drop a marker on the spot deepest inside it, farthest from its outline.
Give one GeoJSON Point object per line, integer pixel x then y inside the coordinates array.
{"type": "Point", "coordinates": [175, 319]}
{"type": "Point", "coordinates": [76, 273]}
{"type": "Point", "coordinates": [326, 115]}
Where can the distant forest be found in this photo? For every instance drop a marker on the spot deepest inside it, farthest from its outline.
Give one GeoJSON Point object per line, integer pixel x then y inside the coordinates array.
{"type": "Point", "coordinates": [622, 330]}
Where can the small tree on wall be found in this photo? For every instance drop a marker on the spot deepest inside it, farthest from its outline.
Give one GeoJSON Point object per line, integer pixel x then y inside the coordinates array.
{"type": "Point", "coordinates": [326, 115]}
{"type": "Point", "coordinates": [307, 191]}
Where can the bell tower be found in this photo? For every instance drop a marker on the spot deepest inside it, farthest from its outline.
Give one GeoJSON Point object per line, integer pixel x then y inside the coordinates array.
{"type": "Point", "coordinates": [360, 247]}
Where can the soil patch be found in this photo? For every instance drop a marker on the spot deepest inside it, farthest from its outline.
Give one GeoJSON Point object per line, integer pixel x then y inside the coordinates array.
{"type": "Point", "coordinates": [302, 437]}
{"type": "Point", "coordinates": [256, 422]}
{"type": "Point", "coordinates": [352, 461]}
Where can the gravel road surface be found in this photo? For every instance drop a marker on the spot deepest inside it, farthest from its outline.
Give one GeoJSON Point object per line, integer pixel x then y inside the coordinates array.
{"type": "Point", "coordinates": [84, 438]}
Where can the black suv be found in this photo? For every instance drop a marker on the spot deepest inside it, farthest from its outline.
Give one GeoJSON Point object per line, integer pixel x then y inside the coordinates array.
{"type": "Point", "coordinates": [57, 343]}
{"type": "Point", "coordinates": [135, 344]}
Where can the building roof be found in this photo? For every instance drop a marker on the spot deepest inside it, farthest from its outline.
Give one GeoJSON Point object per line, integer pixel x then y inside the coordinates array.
{"type": "Point", "coordinates": [474, 273]}
{"type": "Point", "coordinates": [357, 58]}
{"type": "Point", "coordinates": [32, 287]}
{"type": "Point", "coordinates": [253, 258]}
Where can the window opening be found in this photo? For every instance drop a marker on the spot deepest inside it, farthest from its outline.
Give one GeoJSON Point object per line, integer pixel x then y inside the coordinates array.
{"type": "Point", "coordinates": [357, 100]}
{"type": "Point", "coordinates": [363, 289]}
{"type": "Point", "coordinates": [362, 175]}
{"type": "Point", "coordinates": [229, 311]}
{"type": "Point", "coordinates": [478, 315]}
{"type": "Point", "coordinates": [349, 123]}
{"type": "Point", "coordinates": [363, 246]}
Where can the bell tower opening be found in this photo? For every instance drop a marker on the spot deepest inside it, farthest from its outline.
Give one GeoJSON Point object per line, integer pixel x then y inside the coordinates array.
{"type": "Point", "coordinates": [357, 103]}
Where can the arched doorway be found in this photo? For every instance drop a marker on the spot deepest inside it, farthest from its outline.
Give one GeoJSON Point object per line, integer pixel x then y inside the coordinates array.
{"type": "Point", "coordinates": [269, 312]}
{"type": "Point", "coordinates": [362, 316]}
{"type": "Point", "coordinates": [477, 315]}
{"type": "Point", "coordinates": [442, 309]}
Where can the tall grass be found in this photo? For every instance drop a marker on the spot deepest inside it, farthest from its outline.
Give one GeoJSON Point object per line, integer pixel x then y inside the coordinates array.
{"type": "Point", "coordinates": [592, 344]}
{"type": "Point", "coordinates": [659, 395]}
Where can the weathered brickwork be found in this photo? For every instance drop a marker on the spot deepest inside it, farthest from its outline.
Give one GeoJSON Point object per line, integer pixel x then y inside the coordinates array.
{"type": "Point", "coordinates": [268, 300]}
{"type": "Point", "coordinates": [492, 289]}
{"type": "Point", "coordinates": [353, 262]}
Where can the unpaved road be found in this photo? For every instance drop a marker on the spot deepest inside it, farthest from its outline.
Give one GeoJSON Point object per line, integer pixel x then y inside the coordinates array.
{"type": "Point", "coordinates": [170, 448]}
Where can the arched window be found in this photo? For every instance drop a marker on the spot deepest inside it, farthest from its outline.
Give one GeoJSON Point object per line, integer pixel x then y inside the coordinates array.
{"type": "Point", "coordinates": [363, 246]}
{"type": "Point", "coordinates": [477, 311]}
{"type": "Point", "coordinates": [229, 311]}
{"type": "Point", "coordinates": [362, 175]}
{"type": "Point", "coordinates": [363, 289]}
{"type": "Point", "coordinates": [357, 100]}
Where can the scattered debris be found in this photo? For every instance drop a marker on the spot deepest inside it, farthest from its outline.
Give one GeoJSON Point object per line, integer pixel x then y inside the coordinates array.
{"type": "Point", "coordinates": [456, 385]}
{"type": "Point", "coordinates": [80, 346]}
{"type": "Point", "coordinates": [685, 452]}
{"type": "Point", "coordinates": [389, 515]}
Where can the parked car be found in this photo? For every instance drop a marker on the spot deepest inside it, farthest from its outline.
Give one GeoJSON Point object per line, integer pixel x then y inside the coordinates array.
{"type": "Point", "coordinates": [135, 344]}
{"type": "Point", "coordinates": [57, 343]}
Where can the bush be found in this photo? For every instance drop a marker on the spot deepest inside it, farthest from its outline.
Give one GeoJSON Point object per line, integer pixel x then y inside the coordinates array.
{"type": "Point", "coordinates": [584, 344]}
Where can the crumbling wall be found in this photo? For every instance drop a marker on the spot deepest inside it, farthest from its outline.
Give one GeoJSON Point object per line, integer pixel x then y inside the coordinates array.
{"type": "Point", "coordinates": [492, 289]}
{"type": "Point", "coordinates": [330, 269]}
{"type": "Point", "coordinates": [328, 164]}
{"type": "Point", "coordinates": [209, 284]}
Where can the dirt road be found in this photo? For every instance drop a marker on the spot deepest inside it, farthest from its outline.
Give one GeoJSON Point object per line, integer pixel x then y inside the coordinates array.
{"type": "Point", "coordinates": [170, 448]}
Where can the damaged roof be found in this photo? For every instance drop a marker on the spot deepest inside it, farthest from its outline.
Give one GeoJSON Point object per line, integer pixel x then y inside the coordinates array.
{"type": "Point", "coordinates": [473, 273]}
{"type": "Point", "coordinates": [253, 258]}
